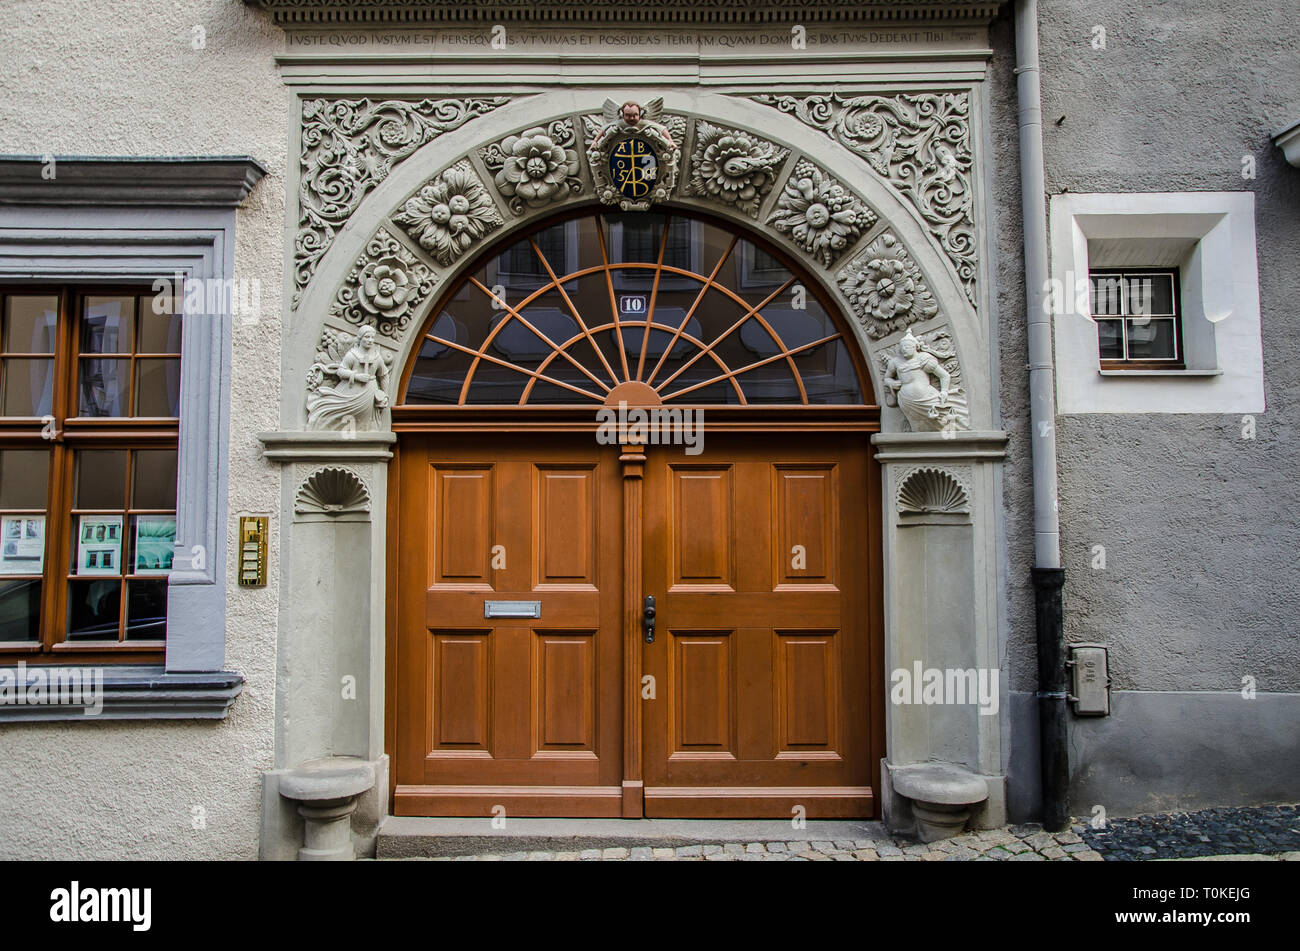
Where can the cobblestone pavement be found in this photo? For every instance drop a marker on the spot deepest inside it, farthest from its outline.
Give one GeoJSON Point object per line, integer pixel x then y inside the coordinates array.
{"type": "Point", "coordinates": [1262, 832]}
{"type": "Point", "coordinates": [1018, 844]}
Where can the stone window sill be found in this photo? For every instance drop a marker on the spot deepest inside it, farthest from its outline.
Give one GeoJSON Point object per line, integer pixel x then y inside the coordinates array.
{"type": "Point", "coordinates": [127, 693]}
{"type": "Point", "coordinates": [1190, 373]}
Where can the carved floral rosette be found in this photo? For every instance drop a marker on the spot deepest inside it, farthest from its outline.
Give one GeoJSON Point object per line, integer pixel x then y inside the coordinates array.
{"type": "Point", "coordinates": [385, 287]}
{"type": "Point", "coordinates": [939, 344]}
{"type": "Point", "coordinates": [885, 289]}
{"type": "Point", "coordinates": [819, 214]}
{"type": "Point", "coordinates": [663, 140]}
{"type": "Point", "coordinates": [920, 144]}
{"type": "Point", "coordinates": [450, 213]}
{"type": "Point", "coordinates": [348, 147]}
{"type": "Point", "coordinates": [732, 167]}
{"type": "Point", "coordinates": [535, 167]}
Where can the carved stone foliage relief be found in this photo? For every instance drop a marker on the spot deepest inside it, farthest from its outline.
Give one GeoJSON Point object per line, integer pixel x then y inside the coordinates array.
{"type": "Point", "coordinates": [920, 144]}
{"type": "Point", "coordinates": [819, 214]}
{"type": "Point", "coordinates": [348, 147]}
{"type": "Point", "coordinates": [385, 286]}
{"type": "Point", "coordinates": [885, 289]}
{"type": "Point", "coordinates": [732, 167]}
{"type": "Point", "coordinates": [450, 213]}
{"type": "Point", "coordinates": [536, 167]}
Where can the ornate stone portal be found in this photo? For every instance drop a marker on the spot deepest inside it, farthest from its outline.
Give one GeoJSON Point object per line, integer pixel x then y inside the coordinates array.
{"type": "Point", "coordinates": [864, 234]}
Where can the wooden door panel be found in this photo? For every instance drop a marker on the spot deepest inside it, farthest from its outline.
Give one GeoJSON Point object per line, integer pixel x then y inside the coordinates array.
{"type": "Point", "coordinates": [704, 721]}
{"type": "Point", "coordinates": [461, 691]}
{"type": "Point", "coordinates": [519, 712]}
{"type": "Point", "coordinates": [565, 692]}
{"type": "Point", "coordinates": [765, 671]}
{"type": "Point", "coordinates": [462, 525]}
{"type": "Point", "coordinates": [701, 527]}
{"type": "Point", "coordinates": [804, 521]}
{"type": "Point", "coordinates": [807, 679]}
{"type": "Point", "coordinates": [567, 528]}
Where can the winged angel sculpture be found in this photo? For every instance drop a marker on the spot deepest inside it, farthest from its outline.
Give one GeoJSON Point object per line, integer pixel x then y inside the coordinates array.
{"type": "Point", "coordinates": [634, 159]}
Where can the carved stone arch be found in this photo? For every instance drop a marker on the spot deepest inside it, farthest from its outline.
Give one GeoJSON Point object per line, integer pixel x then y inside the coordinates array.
{"type": "Point", "coordinates": [892, 232]}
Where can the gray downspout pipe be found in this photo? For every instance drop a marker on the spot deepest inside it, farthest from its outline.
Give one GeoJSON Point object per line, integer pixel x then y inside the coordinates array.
{"type": "Point", "coordinates": [1048, 576]}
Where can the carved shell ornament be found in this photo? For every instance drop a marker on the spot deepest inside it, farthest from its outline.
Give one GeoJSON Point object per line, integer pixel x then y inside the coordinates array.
{"type": "Point", "coordinates": [635, 160]}
{"type": "Point", "coordinates": [932, 491]}
{"type": "Point", "coordinates": [332, 491]}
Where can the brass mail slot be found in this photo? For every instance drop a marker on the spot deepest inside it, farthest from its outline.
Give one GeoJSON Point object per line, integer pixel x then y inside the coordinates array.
{"type": "Point", "coordinates": [512, 609]}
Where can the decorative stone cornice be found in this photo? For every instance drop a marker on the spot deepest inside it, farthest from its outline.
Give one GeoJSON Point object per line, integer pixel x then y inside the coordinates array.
{"type": "Point", "coordinates": [220, 181]}
{"type": "Point", "coordinates": [1288, 140]}
{"type": "Point", "coordinates": [346, 13]}
{"type": "Point", "coordinates": [327, 447]}
{"type": "Point", "coordinates": [920, 145]}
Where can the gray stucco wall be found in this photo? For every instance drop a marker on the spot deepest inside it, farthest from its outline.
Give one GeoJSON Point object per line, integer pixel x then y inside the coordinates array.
{"type": "Point", "coordinates": [1021, 741]}
{"type": "Point", "coordinates": [1200, 587]}
{"type": "Point", "coordinates": [83, 77]}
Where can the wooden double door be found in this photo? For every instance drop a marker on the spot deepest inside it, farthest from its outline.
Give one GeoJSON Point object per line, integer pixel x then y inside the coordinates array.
{"type": "Point", "coordinates": [522, 672]}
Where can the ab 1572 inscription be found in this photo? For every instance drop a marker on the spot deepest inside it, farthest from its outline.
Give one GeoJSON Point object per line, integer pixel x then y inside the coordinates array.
{"type": "Point", "coordinates": [633, 167]}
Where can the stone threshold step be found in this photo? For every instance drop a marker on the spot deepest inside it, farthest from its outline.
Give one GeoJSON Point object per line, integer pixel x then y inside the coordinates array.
{"type": "Point", "coordinates": [412, 837]}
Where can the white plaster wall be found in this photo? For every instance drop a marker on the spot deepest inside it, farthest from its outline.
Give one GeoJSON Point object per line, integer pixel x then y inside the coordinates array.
{"type": "Point", "coordinates": [97, 78]}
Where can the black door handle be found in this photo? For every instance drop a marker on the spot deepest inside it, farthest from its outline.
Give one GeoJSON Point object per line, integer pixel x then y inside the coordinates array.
{"type": "Point", "coordinates": [648, 619]}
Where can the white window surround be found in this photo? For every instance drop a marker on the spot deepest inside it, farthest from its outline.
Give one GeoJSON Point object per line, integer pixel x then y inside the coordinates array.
{"type": "Point", "coordinates": [1210, 237]}
{"type": "Point", "coordinates": [105, 220]}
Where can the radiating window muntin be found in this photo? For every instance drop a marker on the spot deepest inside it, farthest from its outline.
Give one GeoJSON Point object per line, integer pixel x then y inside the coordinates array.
{"type": "Point", "coordinates": [707, 316]}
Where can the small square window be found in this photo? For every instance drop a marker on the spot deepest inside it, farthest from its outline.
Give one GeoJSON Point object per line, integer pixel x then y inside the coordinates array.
{"type": "Point", "coordinates": [1138, 318]}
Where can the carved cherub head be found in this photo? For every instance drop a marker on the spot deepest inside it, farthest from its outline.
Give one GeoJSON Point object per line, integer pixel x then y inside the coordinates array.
{"type": "Point", "coordinates": [631, 112]}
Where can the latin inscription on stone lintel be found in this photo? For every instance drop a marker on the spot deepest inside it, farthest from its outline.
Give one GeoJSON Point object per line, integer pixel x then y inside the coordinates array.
{"type": "Point", "coordinates": [771, 41]}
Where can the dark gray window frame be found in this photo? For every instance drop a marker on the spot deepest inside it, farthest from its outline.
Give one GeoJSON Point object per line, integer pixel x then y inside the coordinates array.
{"type": "Point", "coordinates": [104, 219]}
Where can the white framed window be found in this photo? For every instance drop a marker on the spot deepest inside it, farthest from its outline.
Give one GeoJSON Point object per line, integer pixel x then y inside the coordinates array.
{"type": "Point", "coordinates": [1203, 352]}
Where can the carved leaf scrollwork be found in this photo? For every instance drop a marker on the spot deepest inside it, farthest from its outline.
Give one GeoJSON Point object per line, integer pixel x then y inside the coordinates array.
{"type": "Point", "coordinates": [348, 147]}
{"type": "Point", "coordinates": [920, 144]}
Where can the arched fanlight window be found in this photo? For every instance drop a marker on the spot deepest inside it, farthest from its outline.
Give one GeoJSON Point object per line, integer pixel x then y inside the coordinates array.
{"type": "Point", "coordinates": [626, 304]}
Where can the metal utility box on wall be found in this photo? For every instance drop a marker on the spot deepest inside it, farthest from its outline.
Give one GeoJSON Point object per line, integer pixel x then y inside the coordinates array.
{"type": "Point", "coordinates": [1089, 680]}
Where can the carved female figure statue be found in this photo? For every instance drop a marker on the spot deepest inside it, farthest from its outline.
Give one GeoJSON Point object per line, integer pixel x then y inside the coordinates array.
{"type": "Point", "coordinates": [908, 378]}
{"type": "Point", "coordinates": [360, 393]}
